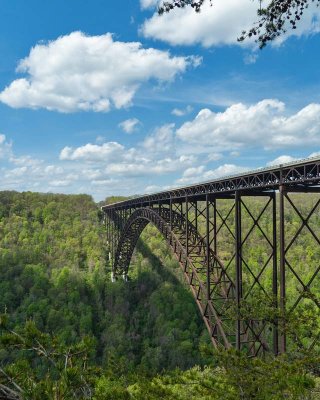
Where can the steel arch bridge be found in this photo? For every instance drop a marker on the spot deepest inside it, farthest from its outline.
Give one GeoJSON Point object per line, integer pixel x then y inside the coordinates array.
{"type": "Point", "coordinates": [236, 252]}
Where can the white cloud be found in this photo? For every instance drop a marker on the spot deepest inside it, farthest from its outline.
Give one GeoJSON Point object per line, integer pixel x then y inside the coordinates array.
{"type": "Point", "coordinates": [89, 73]}
{"type": "Point", "coordinates": [193, 171]}
{"type": "Point", "coordinates": [53, 169]}
{"type": "Point", "coordinates": [264, 124]}
{"type": "Point", "coordinates": [5, 147]}
{"type": "Point", "coordinates": [148, 3]}
{"type": "Point", "coordinates": [250, 58]}
{"type": "Point", "coordinates": [156, 155]}
{"type": "Point", "coordinates": [161, 140]}
{"type": "Point", "coordinates": [213, 26]}
{"type": "Point", "coordinates": [100, 139]}
{"type": "Point", "coordinates": [315, 154]}
{"type": "Point", "coordinates": [16, 172]}
{"type": "Point", "coordinates": [150, 167]}
{"type": "Point", "coordinates": [281, 160]}
{"type": "Point", "coordinates": [104, 182]}
{"type": "Point", "coordinates": [219, 25]}
{"type": "Point", "coordinates": [60, 182]}
{"type": "Point", "coordinates": [152, 189]}
{"type": "Point", "coordinates": [25, 161]}
{"type": "Point", "coordinates": [200, 174]}
{"type": "Point", "coordinates": [225, 170]}
{"type": "Point", "coordinates": [284, 159]}
{"type": "Point", "coordinates": [178, 112]}
{"type": "Point", "coordinates": [114, 168]}
{"type": "Point", "coordinates": [215, 156]}
{"type": "Point", "coordinates": [93, 152]}
{"type": "Point", "coordinates": [129, 125]}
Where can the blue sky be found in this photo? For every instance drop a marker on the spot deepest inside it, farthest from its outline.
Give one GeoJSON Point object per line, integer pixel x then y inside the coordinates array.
{"type": "Point", "coordinates": [85, 108]}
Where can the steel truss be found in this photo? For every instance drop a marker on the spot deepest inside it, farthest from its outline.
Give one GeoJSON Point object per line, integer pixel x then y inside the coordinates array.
{"type": "Point", "coordinates": [236, 254]}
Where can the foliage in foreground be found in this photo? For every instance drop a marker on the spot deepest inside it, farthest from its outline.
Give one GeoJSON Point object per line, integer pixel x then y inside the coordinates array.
{"type": "Point", "coordinates": [43, 369]}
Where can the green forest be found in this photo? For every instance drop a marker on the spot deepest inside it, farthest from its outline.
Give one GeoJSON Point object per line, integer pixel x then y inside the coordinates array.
{"type": "Point", "coordinates": [68, 332]}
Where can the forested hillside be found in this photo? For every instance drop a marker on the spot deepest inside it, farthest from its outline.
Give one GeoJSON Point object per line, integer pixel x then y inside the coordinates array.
{"type": "Point", "coordinates": [55, 293]}
{"type": "Point", "coordinates": [54, 271]}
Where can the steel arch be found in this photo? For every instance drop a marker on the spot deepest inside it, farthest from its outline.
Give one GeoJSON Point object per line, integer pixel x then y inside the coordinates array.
{"type": "Point", "coordinates": [214, 301]}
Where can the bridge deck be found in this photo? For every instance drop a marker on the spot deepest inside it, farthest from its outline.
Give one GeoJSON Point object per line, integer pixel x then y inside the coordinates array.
{"type": "Point", "coordinates": [299, 176]}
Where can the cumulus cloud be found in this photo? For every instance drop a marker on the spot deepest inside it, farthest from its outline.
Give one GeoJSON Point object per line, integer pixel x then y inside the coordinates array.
{"type": "Point", "coordinates": [201, 174]}
{"type": "Point", "coordinates": [265, 124]}
{"type": "Point", "coordinates": [104, 182]}
{"type": "Point", "coordinates": [156, 155]}
{"type": "Point", "coordinates": [60, 182]}
{"type": "Point", "coordinates": [315, 154]}
{"type": "Point", "coordinates": [213, 26]}
{"type": "Point", "coordinates": [180, 112]}
{"type": "Point", "coordinates": [161, 140]}
{"type": "Point", "coordinates": [106, 168]}
{"type": "Point", "coordinates": [152, 189]}
{"type": "Point", "coordinates": [218, 25]}
{"type": "Point", "coordinates": [284, 159]}
{"type": "Point", "coordinates": [129, 125]}
{"type": "Point", "coordinates": [93, 152]}
{"type": "Point", "coordinates": [89, 73]}
{"type": "Point", "coordinates": [150, 167]}
{"type": "Point", "coordinates": [118, 160]}
{"type": "Point", "coordinates": [281, 160]}
{"type": "Point", "coordinates": [5, 147]}
{"type": "Point", "coordinates": [148, 3]}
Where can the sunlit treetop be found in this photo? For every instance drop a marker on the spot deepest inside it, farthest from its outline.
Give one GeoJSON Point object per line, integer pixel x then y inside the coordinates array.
{"type": "Point", "coordinates": [273, 20]}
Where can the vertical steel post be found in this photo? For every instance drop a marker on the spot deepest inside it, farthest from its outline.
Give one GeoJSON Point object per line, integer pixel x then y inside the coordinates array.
{"type": "Point", "coordinates": [170, 212]}
{"type": "Point", "coordinates": [215, 245]}
{"type": "Point", "coordinates": [238, 260]}
{"type": "Point", "coordinates": [116, 227]}
{"type": "Point", "coordinates": [196, 214]}
{"type": "Point", "coordinates": [106, 223]}
{"type": "Point", "coordinates": [109, 230]}
{"type": "Point", "coordinates": [208, 247]}
{"type": "Point", "coordinates": [112, 239]}
{"type": "Point", "coordinates": [282, 346]}
{"type": "Point", "coordinates": [275, 272]}
{"type": "Point", "coordinates": [187, 226]}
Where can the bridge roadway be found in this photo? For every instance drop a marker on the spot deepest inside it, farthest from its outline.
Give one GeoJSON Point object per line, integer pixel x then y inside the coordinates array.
{"type": "Point", "coordinates": [237, 251]}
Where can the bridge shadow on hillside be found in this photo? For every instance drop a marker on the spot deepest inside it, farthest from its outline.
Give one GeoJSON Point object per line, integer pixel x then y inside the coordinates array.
{"type": "Point", "coordinates": [158, 266]}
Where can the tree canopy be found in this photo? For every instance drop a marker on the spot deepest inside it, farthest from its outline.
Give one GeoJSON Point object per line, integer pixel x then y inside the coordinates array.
{"type": "Point", "coordinates": [67, 332]}
{"type": "Point", "coordinates": [273, 20]}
